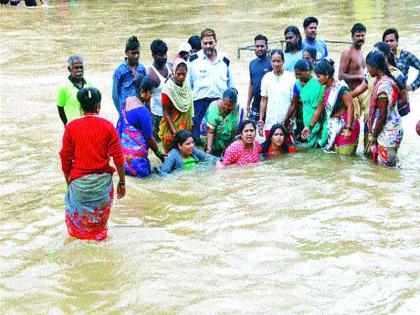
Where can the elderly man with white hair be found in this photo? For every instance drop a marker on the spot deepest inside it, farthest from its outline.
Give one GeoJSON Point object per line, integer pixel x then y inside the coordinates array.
{"type": "Point", "coordinates": [68, 105]}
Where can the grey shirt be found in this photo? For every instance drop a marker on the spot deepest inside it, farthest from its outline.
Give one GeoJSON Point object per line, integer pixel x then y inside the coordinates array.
{"type": "Point", "coordinates": [175, 160]}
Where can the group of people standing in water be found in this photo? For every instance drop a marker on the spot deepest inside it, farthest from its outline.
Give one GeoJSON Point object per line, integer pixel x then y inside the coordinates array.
{"type": "Point", "coordinates": [187, 111]}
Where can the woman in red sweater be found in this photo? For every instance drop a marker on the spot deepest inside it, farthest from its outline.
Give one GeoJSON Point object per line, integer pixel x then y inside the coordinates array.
{"type": "Point", "coordinates": [88, 144]}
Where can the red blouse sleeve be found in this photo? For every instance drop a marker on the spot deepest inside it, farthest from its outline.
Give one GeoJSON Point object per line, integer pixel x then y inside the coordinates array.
{"type": "Point", "coordinates": [166, 101]}
{"type": "Point", "coordinates": [67, 152]}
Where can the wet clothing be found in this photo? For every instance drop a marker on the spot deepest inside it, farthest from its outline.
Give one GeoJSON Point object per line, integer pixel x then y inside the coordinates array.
{"type": "Point", "coordinates": [310, 95]}
{"type": "Point", "coordinates": [335, 125]}
{"type": "Point", "coordinates": [175, 161]}
{"type": "Point", "coordinates": [88, 144]}
{"type": "Point", "coordinates": [257, 69]}
{"type": "Point", "coordinates": [391, 135]}
{"type": "Point", "coordinates": [88, 203]}
{"type": "Point", "coordinates": [224, 127]}
{"type": "Point", "coordinates": [134, 127]}
{"type": "Point", "coordinates": [122, 83]}
{"type": "Point", "coordinates": [179, 103]}
{"type": "Point", "coordinates": [237, 154]}
{"type": "Point", "coordinates": [67, 98]}
{"type": "Point", "coordinates": [200, 109]}
{"type": "Point", "coordinates": [319, 45]}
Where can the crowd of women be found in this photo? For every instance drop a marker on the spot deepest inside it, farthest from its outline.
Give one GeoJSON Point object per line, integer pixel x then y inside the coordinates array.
{"type": "Point", "coordinates": [321, 103]}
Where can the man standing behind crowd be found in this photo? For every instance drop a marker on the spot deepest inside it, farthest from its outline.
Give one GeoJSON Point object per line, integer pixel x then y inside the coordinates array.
{"type": "Point", "coordinates": [124, 75]}
{"type": "Point", "coordinates": [310, 27]}
{"type": "Point", "coordinates": [352, 65]}
{"type": "Point", "coordinates": [158, 72]}
{"type": "Point", "coordinates": [209, 77]}
{"type": "Point", "coordinates": [403, 58]}
{"type": "Point", "coordinates": [257, 69]}
{"type": "Point", "coordinates": [67, 102]}
{"type": "Point", "coordinates": [294, 48]}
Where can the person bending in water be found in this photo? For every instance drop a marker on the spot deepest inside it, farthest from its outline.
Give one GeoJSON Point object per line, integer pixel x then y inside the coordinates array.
{"type": "Point", "coordinates": [136, 132]}
{"type": "Point", "coordinates": [343, 128]}
{"type": "Point", "coordinates": [184, 155]}
{"type": "Point", "coordinates": [309, 91]}
{"type": "Point", "coordinates": [88, 144]}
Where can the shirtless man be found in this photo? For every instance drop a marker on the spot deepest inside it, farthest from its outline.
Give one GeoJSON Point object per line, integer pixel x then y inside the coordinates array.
{"type": "Point", "coordinates": [158, 72]}
{"type": "Point", "coordinates": [352, 64]}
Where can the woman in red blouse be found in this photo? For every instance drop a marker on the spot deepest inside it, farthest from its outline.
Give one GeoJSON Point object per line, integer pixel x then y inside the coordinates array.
{"type": "Point", "coordinates": [88, 144]}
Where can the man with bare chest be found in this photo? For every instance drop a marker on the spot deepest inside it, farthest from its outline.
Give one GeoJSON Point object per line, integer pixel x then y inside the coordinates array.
{"type": "Point", "coordinates": [352, 64]}
{"type": "Point", "coordinates": [158, 72]}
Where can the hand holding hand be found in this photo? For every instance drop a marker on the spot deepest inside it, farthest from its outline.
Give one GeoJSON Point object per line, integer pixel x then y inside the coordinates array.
{"type": "Point", "coordinates": [305, 133]}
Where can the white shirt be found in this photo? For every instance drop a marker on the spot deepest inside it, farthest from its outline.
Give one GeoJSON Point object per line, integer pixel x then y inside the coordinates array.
{"type": "Point", "coordinates": [279, 91]}
{"type": "Point", "coordinates": [209, 79]}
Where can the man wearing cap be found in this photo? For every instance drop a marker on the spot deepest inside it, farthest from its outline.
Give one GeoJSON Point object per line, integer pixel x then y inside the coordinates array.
{"type": "Point", "coordinates": [125, 74]}
{"type": "Point", "coordinates": [209, 77]}
{"type": "Point", "coordinates": [184, 51]}
{"type": "Point", "coordinates": [67, 102]}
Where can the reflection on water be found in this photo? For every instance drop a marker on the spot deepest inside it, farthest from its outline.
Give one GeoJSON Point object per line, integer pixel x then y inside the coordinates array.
{"type": "Point", "coordinates": [309, 233]}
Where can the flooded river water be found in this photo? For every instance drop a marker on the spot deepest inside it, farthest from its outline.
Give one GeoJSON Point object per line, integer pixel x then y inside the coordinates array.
{"type": "Point", "coordinates": [311, 233]}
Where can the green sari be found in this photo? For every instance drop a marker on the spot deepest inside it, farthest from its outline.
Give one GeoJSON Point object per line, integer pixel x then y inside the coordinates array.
{"type": "Point", "coordinates": [310, 95]}
{"type": "Point", "coordinates": [225, 127]}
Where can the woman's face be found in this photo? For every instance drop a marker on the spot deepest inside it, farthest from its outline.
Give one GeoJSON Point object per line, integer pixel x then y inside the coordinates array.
{"type": "Point", "coordinates": [307, 56]}
{"type": "Point", "coordinates": [146, 96]}
{"type": "Point", "coordinates": [180, 74]}
{"type": "Point", "coordinates": [303, 76]}
{"type": "Point", "coordinates": [322, 78]}
{"type": "Point", "coordinates": [277, 62]}
{"type": "Point", "coordinates": [248, 134]}
{"type": "Point", "coordinates": [372, 71]}
{"type": "Point", "coordinates": [187, 147]}
{"type": "Point", "coordinates": [227, 107]}
{"type": "Point", "coordinates": [277, 138]}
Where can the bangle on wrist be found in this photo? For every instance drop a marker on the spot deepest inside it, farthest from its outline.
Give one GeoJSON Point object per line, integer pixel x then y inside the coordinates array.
{"type": "Point", "coordinates": [347, 128]}
{"type": "Point", "coordinates": [121, 183]}
{"type": "Point", "coordinates": [310, 127]}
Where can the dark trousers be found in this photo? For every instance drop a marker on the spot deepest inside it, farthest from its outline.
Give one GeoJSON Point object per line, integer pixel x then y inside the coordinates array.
{"type": "Point", "coordinates": [200, 109]}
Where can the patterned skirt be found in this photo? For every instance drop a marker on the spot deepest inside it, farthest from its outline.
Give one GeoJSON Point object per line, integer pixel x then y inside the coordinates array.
{"type": "Point", "coordinates": [88, 204]}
